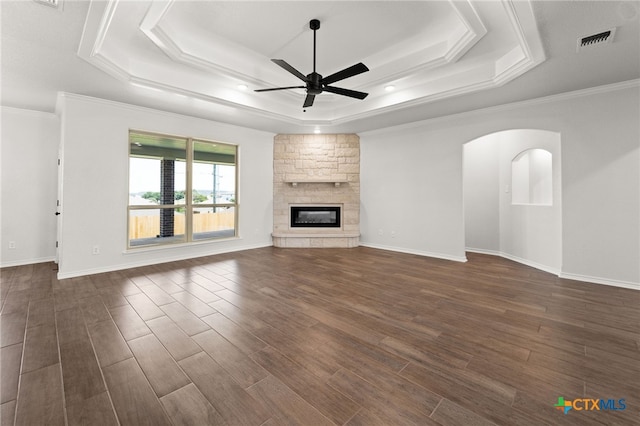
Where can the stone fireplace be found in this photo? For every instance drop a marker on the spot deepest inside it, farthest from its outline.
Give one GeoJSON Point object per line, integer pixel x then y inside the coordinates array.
{"type": "Point", "coordinates": [316, 184]}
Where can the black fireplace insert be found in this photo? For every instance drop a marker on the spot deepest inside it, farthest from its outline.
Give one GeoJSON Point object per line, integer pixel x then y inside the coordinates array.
{"type": "Point", "coordinates": [315, 217]}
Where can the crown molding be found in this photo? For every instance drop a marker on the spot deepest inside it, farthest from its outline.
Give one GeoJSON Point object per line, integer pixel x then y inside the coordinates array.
{"type": "Point", "coordinates": [407, 126]}
{"type": "Point", "coordinates": [607, 88]}
{"type": "Point", "coordinates": [23, 111]}
{"type": "Point", "coordinates": [139, 108]}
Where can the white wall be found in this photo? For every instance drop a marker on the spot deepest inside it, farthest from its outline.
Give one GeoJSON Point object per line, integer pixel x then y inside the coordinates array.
{"type": "Point", "coordinates": [95, 184]}
{"type": "Point", "coordinates": [601, 187]}
{"type": "Point", "coordinates": [531, 177]}
{"type": "Point", "coordinates": [411, 193]}
{"type": "Point", "coordinates": [481, 192]}
{"type": "Point", "coordinates": [415, 173]}
{"type": "Point", "coordinates": [29, 175]}
{"type": "Point", "coordinates": [411, 182]}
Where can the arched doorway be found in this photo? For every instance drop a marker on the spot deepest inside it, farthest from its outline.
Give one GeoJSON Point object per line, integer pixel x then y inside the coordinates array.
{"type": "Point", "coordinates": [513, 197]}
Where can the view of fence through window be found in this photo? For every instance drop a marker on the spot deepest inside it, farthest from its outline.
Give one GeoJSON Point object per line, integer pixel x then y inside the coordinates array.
{"type": "Point", "coordinates": [180, 189]}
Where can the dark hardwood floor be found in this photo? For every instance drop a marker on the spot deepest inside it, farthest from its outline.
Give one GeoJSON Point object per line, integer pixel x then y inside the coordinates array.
{"type": "Point", "coordinates": [316, 337]}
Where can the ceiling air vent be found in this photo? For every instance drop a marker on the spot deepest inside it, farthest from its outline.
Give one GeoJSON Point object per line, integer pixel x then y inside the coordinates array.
{"type": "Point", "coordinates": [604, 37]}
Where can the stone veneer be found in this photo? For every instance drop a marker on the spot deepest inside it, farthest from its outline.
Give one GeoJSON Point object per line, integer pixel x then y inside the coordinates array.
{"type": "Point", "coordinates": [311, 170]}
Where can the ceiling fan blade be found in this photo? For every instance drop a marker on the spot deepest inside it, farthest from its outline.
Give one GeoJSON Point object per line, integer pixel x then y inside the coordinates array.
{"type": "Point", "coordinates": [345, 92]}
{"type": "Point", "coordinates": [279, 88]}
{"type": "Point", "coordinates": [282, 63]}
{"type": "Point", "coordinates": [308, 101]}
{"type": "Point", "coordinates": [345, 73]}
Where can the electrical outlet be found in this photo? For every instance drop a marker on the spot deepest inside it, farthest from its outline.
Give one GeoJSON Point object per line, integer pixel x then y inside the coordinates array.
{"type": "Point", "coordinates": [12, 245]}
{"type": "Point", "coordinates": [96, 250]}
{"type": "Point", "coordinates": [380, 232]}
{"type": "Point", "coordinates": [393, 234]}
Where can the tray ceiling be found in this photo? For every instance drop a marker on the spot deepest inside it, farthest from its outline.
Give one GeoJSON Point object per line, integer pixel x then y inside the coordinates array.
{"type": "Point", "coordinates": [427, 50]}
{"type": "Point", "coordinates": [190, 57]}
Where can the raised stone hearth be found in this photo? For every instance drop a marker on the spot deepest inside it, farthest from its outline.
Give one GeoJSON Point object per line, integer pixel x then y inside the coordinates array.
{"type": "Point", "coordinates": [316, 170]}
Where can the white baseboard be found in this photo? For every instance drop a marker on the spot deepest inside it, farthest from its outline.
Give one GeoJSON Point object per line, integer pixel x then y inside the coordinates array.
{"type": "Point", "coordinates": [483, 251]}
{"type": "Point", "coordinates": [416, 252]}
{"type": "Point", "coordinates": [27, 262]}
{"type": "Point", "coordinates": [540, 266]}
{"type": "Point", "coordinates": [598, 280]}
{"type": "Point", "coordinates": [527, 262]}
{"type": "Point", "coordinates": [559, 273]}
{"type": "Point", "coordinates": [148, 262]}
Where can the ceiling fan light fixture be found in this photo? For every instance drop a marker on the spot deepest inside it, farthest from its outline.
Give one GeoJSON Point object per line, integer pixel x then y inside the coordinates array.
{"type": "Point", "coordinates": [389, 88]}
{"type": "Point", "coordinates": [242, 87]}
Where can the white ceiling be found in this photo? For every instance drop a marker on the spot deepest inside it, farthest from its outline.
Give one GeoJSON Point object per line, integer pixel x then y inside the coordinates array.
{"type": "Point", "coordinates": [443, 57]}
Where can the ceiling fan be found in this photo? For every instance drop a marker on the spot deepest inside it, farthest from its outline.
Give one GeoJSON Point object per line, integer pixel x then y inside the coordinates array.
{"type": "Point", "coordinates": [314, 82]}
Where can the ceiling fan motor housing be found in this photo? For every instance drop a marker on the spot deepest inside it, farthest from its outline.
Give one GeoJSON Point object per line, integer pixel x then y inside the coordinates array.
{"type": "Point", "coordinates": [314, 86]}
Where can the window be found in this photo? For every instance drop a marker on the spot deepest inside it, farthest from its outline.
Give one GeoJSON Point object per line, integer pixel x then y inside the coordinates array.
{"type": "Point", "coordinates": [531, 178]}
{"type": "Point", "coordinates": [180, 190]}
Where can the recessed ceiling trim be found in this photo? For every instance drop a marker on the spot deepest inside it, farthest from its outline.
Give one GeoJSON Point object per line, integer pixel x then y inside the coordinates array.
{"type": "Point", "coordinates": [422, 83]}
{"type": "Point", "coordinates": [50, 3]}
{"type": "Point", "coordinates": [155, 14]}
{"type": "Point", "coordinates": [475, 30]}
{"type": "Point", "coordinates": [524, 24]}
{"type": "Point", "coordinates": [97, 27]}
{"type": "Point", "coordinates": [99, 18]}
{"type": "Point", "coordinates": [164, 42]}
{"type": "Point", "coordinates": [470, 88]}
{"type": "Point", "coordinates": [529, 52]}
{"type": "Point", "coordinates": [110, 67]}
{"type": "Point", "coordinates": [513, 64]}
{"type": "Point", "coordinates": [212, 99]}
{"type": "Point", "coordinates": [165, 39]}
{"type": "Point", "coordinates": [460, 46]}
{"type": "Point", "coordinates": [151, 26]}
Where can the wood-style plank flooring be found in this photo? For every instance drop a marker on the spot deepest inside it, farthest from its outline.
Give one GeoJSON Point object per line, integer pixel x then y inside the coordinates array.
{"type": "Point", "coordinates": [316, 337]}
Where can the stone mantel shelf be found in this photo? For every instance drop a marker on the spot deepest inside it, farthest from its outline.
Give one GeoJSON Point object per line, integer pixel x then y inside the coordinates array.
{"type": "Point", "coordinates": [295, 182]}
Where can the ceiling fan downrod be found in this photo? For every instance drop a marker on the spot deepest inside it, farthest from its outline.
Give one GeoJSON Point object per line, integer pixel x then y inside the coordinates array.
{"type": "Point", "coordinates": [314, 24]}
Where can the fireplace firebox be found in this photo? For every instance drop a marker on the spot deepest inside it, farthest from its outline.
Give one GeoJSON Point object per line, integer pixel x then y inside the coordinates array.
{"type": "Point", "coordinates": [315, 217]}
